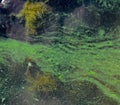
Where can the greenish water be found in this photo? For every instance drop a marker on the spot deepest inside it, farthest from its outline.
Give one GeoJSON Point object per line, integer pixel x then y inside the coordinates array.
{"type": "Point", "coordinates": [96, 64]}
{"type": "Point", "coordinates": [69, 53]}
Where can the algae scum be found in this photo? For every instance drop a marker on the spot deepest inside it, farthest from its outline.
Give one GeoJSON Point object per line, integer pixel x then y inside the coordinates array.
{"type": "Point", "coordinates": [67, 52]}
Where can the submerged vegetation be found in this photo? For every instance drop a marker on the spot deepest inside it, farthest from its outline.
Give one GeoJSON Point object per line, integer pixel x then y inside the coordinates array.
{"type": "Point", "coordinates": [94, 63]}
{"type": "Point", "coordinates": [74, 61]}
{"type": "Point", "coordinates": [33, 13]}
